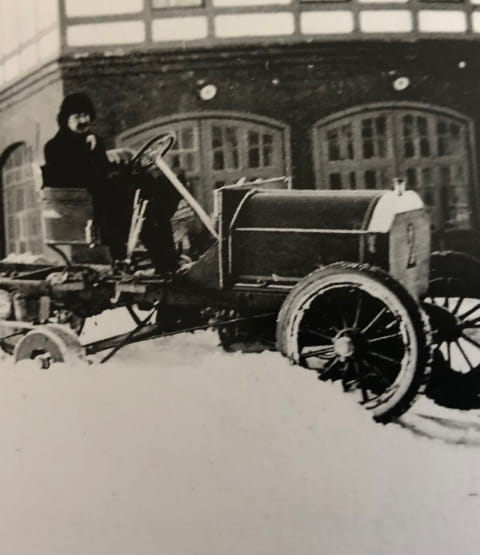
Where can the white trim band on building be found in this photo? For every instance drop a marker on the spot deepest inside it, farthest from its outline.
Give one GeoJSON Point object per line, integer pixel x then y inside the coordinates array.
{"type": "Point", "coordinates": [386, 21]}
{"type": "Point", "coordinates": [88, 8]}
{"type": "Point", "coordinates": [442, 21]}
{"type": "Point", "coordinates": [254, 25]}
{"type": "Point", "coordinates": [118, 32]}
{"type": "Point", "coordinates": [180, 28]}
{"type": "Point", "coordinates": [326, 22]}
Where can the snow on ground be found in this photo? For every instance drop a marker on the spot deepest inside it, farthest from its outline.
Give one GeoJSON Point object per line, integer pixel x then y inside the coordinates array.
{"type": "Point", "coordinates": [175, 447]}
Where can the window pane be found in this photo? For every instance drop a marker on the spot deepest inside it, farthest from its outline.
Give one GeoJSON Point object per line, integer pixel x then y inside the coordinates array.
{"type": "Point", "coordinates": [333, 146]}
{"type": "Point", "coordinates": [253, 138]}
{"type": "Point", "coordinates": [335, 181]}
{"type": "Point", "coordinates": [186, 138]}
{"type": "Point", "coordinates": [218, 161]}
{"type": "Point", "coordinates": [353, 180]}
{"type": "Point", "coordinates": [253, 158]}
{"type": "Point", "coordinates": [373, 137]}
{"type": "Point", "coordinates": [231, 144]}
{"type": "Point", "coordinates": [267, 149]}
{"type": "Point", "coordinates": [370, 179]}
{"type": "Point", "coordinates": [216, 136]}
{"type": "Point", "coordinates": [411, 179]}
{"type": "Point", "coordinates": [23, 225]}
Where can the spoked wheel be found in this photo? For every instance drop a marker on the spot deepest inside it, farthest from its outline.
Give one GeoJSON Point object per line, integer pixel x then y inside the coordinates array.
{"type": "Point", "coordinates": [455, 318]}
{"type": "Point", "coordinates": [145, 157]}
{"type": "Point", "coordinates": [356, 324]}
{"type": "Point", "coordinates": [49, 344]}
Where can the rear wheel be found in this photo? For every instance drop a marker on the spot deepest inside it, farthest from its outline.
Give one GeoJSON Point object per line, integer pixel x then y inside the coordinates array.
{"type": "Point", "coordinates": [455, 318]}
{"type": "Point", "coordinates": [453, 306]}
{"type": "Point", "coordinates": [356, 324]}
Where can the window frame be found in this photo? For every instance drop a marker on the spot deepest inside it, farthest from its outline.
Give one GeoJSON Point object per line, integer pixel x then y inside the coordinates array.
{"type": "Point", "coordinates": [246, 121]}
{"type": "Point", "coordinates": [396, 109]}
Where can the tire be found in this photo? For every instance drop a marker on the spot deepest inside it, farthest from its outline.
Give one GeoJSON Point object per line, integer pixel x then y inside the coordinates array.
{"type": "Point", "coordinates": [48, 344]}
{"type": "Point", "coordinates": [344, 321]}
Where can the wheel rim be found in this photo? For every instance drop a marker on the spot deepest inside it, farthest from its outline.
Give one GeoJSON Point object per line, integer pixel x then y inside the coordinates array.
{"type": "Point", "coordinates": [358, 332]}
{"type": "Point", "coordinates": [456, 320]}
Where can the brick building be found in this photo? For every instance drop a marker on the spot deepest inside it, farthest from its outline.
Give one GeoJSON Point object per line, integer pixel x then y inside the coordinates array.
{"type": "Point", "coordinates": [337, 94]}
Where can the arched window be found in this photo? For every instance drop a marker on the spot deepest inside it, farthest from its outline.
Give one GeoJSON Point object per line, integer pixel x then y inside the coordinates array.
{"type": "Point", "coordinates": [218, 148]}
{"type": "Point", "coordinates": [21, 211]}
{"type": "Point", "coordinates": [368, 146]}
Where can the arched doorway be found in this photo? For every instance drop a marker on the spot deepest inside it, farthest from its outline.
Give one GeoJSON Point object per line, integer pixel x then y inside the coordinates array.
{"type": "Point", "coordinates": [22, 224]}
{"type": "Point", "coordinates": [432, 147]}
{"type": "Point", "coordinates": [218, 148]}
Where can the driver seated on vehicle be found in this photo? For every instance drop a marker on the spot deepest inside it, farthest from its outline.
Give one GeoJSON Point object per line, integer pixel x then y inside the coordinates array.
{"type": "Point", "coordinates": [76, 158]}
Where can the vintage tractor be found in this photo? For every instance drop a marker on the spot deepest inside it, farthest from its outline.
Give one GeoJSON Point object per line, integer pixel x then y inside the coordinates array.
{"type": "Point", "coordinates": [337, 281]}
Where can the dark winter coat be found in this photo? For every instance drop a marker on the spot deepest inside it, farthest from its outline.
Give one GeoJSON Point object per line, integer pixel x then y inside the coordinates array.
{"type": "Point", "coordinates": [70, 161]}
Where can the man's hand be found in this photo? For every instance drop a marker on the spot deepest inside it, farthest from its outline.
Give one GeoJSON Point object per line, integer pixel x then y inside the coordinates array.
{"type": "Point", "coordinates": [91, 141]}
{"type": "Point", "coordinates": [119, 156]}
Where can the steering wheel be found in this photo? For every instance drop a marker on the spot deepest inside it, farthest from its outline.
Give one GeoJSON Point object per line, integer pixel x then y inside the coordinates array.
{"type": "Point", "coordinates": [158, 145]}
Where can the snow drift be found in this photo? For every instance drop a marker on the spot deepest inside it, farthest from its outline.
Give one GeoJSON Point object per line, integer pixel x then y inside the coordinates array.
{"type": "Point", "coordinates": [175, 447]}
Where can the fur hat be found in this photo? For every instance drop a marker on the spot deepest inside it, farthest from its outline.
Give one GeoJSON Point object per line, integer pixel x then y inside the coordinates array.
{"type": "Point", "coordinates": [76, 103]}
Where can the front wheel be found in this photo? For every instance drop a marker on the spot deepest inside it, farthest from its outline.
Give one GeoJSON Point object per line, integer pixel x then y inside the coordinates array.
{"type": "Point", "coordinates": [356, 324]}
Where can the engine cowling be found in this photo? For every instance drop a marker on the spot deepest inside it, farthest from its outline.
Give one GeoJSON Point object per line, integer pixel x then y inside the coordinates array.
{"type": "Point", "coordinates": [282, 235]}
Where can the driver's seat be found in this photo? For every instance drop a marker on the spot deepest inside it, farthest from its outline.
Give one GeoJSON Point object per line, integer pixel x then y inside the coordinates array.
{"type": "Point", "coordinates": [67, 221]}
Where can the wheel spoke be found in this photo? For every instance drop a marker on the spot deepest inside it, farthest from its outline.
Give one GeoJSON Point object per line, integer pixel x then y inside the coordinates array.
{"type": "Point", "coordinates": [471, 323]}
{"type": "Point", "coordinates": [385, 337]}
{"type": "Point", "coordinates": [325, 351]}
{"type": "Point", "coordinates": [457, 305]}
{"type": "Point", "coordinates": [469, 312]}
{"type": "Point", "coordinates": [391, 324]}
{"type": "Point", "coordinates": [346, 368]}
{"type": "Point", "coordinates": [374, 320]}
{"type": "Point", "coordinates": [361, 382]}
{"type": "Point", "coordinates": [460, 348]}
{"type": "Point", "coordinates": [375, 370]}
{"type": "Point", "coordinates": [357, 312]}
{"type": "Point", "coordinates": [318, 334]}
{"type": "Point", "coordinates": [329, 368]}
{"type": "Point", "coordinates": [384, 357]}
{"type": "Point", "coordinates": [470, 340]}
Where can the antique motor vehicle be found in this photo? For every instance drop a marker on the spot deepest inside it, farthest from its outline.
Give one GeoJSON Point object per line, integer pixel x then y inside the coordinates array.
{"type": "Point", "coordinates": [338, 281]}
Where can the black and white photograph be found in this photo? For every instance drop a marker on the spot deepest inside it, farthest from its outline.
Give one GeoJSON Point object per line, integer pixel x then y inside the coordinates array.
{"type": "Point", "coordinates": [239, 277]}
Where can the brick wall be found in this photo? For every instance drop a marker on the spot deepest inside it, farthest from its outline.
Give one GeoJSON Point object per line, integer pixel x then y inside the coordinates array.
{"type": "Point", "coordinates": [296, 85]}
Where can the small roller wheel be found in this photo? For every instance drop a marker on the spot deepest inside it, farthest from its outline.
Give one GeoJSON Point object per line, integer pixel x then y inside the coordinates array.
{"type": "Point", "coordinates": [49, 344]}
